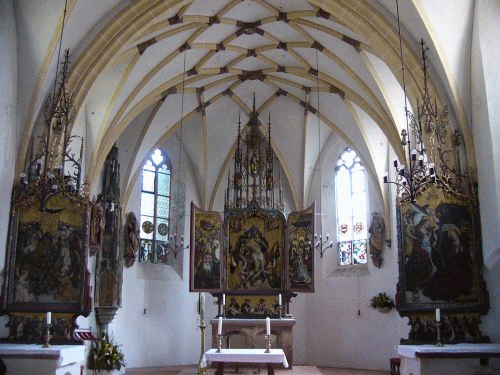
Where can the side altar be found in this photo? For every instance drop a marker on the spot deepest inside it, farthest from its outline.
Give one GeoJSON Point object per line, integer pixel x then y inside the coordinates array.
{"type": "Point", "coordinates": [448, 359]}
{"type": "Point", "coordinates": [253, 259]}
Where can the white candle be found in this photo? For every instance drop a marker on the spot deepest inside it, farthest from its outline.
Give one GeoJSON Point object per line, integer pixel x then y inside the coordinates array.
{"type": "Point", "coordinates": [268, 326]}
{"type": "Point", "coordinates": [219, 328]}
{"type": "Point", "coordinates": [279, 299]}
{"type": "Point", "coordinates": [438, 315]}
{"type": "Point", "coordinates": [49, 317]}
{"type": "Point", "coordinates": [223, 299]}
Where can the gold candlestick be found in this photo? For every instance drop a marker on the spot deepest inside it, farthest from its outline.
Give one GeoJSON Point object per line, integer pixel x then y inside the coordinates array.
{"type": "Point", "coordinates": [202, 370]}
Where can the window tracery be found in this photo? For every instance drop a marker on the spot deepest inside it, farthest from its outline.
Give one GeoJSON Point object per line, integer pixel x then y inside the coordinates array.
{"type": "Point", "coordinates": [351, 207]}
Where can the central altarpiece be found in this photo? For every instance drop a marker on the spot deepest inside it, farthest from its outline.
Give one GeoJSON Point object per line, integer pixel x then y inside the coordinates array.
{"type": "Point", "coordinates": [254, 259]}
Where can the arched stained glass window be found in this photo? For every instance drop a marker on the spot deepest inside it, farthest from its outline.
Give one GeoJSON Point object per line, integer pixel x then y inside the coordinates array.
{"type": "Point", "coordinates": [155, 208]}
{"type": "Point", "coordinates": [351, 202]}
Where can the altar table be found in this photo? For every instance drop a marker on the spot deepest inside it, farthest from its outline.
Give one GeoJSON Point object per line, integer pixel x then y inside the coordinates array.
{"type": "Point", "coordinates": [244, 356]}
{"type": "Point", "coordinates": [251, 329]}
{"type": "Point", "coordinates": [35, 359]}
{"type": "Point", "coordinates": [447, 359]}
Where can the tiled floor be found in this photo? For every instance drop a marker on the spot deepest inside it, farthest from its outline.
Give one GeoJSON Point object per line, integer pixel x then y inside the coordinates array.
{"type": "Point", "coordinates": [297, 370]}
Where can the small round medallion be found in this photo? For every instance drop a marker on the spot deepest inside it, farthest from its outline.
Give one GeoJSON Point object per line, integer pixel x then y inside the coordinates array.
{"type": "Point", "coordinates": [147, 227]}
{"type": "Point", "coordinates": [163, 229]}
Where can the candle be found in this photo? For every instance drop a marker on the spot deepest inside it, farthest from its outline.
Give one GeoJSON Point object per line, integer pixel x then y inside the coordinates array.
{"type": "Point", "coordinates": [49, 317]}
{"type": "Point", "coordinates": [279, 299]}
{"type": "Point", "coordinates": [219, 328]}
{"type": "Point", "coordinates": [268, 326]}
{"type": "Point", "coordinates": [438, 315]}
{"type": "Point", "coordinates": [223, 299]}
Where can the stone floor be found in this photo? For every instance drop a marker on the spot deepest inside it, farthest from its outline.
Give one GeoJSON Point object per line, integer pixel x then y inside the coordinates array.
{"type": "Point", "coordinates": [297, 370]}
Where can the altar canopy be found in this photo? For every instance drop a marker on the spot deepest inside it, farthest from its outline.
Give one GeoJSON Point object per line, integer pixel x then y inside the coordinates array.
{"type": "Point", "coordinates": [254, 253]}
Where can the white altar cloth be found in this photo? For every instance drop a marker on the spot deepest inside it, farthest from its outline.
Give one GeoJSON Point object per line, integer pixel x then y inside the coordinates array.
{"type": "Point", "coordinates": [244, 356]}
{"type": "Point", "coordinates": [450, 351]}
{"type": "Point", "coordinates": [35, 359]}
{"type": "Point", "coordinates": [448, 359]}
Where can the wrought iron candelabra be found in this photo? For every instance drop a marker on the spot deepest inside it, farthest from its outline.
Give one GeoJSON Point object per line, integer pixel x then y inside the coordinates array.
{"type": "Point", "coordinates": [320, 244]}
{"type": "Point", "coordinates": [176, 246]}
{"type": "Point", "coordinates": [419, 174]}
{"type": "Point", "coordinates": [412, 179]}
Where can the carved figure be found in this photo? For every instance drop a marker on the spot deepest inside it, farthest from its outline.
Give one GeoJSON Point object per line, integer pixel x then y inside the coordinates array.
{"type": "Point", "coordinates": [377, 237]}
{"type": "Point", "coordinates": [234, 307]}
{"type": "Point", "coordinates": [132, 239]}
{"type": "Point", "coordinates": [96, 228]}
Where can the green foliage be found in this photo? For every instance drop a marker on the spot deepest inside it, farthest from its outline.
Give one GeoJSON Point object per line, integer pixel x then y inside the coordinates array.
{"type": "Point", "coordinates": [381, 300]}
{"type": "Point", "coordinates": [105, 355]}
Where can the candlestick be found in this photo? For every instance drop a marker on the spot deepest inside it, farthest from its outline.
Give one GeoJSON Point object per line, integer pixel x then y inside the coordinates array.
{"type": "Point", "coordinates": [219, 327]}
{"type": "Point", "coordinates": [219, 343]}
{"type": "Point", "coordinates": [48, 323]}
{"type": "Point", "coordinates": [439, 341]}
{"type": "Point", "coordinates": [268, 344]}
{"type": "Point", "coordinates": [202, 370]}
{"type": "Point", "coordinates": [268, 326]}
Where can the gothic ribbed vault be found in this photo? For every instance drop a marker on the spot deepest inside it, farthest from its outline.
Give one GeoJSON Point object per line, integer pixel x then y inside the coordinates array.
{"type": "Point", "coordinates": [324, 71]}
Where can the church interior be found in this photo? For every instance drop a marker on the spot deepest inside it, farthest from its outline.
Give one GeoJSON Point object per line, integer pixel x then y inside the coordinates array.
{"type": "Point", "coordinates": [177, 172]}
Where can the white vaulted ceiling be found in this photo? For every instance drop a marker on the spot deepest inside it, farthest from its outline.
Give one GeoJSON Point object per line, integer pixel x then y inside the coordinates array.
{"type": "Point", "coordinates": [132, 60]}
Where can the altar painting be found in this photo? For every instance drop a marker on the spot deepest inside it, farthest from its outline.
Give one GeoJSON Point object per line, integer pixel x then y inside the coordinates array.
{"type": "Point", "coordinates": [255, 249]}
{"type": "Point", "coordinates": [206, 238]}
{"type": "Point", "coordinates": [47, 267]}
{"type": "Point", "coordinates": [252, 306]}
{"type": "Point", "coordinates": [440, 254]}
{"type": "Point", "coordinates": [301, 251]}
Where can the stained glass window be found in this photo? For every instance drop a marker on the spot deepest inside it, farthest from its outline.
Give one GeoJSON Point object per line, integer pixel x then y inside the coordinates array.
{"type": "Point", "coordinates": [351, 201]}
{"type": "Point", "coordinates": [155, 208]}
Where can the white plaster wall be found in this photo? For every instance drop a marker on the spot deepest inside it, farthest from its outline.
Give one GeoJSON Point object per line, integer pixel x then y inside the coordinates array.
{"type": "Point", "coordinates": [486, 119]}
{"type": "Point", "coordinates": [9, 135]}
{"type": "Point", "coordinates": [335, 324]}
{"type": "Point", "coordinates": [451, 24]}
{"type": "Point", "coordinates": [158, 323]}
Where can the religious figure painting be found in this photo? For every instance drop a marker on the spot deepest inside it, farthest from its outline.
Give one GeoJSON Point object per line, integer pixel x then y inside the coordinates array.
{"type": "Point", "coordinates": [206, 262]}
{"type": "Point", "coordinates": [255, 249]}
{"type": "Point", "coordinates": [301, 250]}
{"type": "Point", "coordinates": [252, 306]}
{"type": "Point", "coordinates": [440, 255]}
{"type": "Point", "coordinates": [47, 265]}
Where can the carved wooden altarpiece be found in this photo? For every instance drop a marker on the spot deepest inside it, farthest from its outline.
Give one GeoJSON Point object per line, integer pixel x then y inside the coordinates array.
{"type": "Point", "coordinates": [254, 254]}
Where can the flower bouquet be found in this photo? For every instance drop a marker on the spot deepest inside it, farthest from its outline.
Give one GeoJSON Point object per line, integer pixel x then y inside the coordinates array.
{"type": "Point", "coordinates": [382, 302]}
{"type": "Point", "coordinates": [105, 355]}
